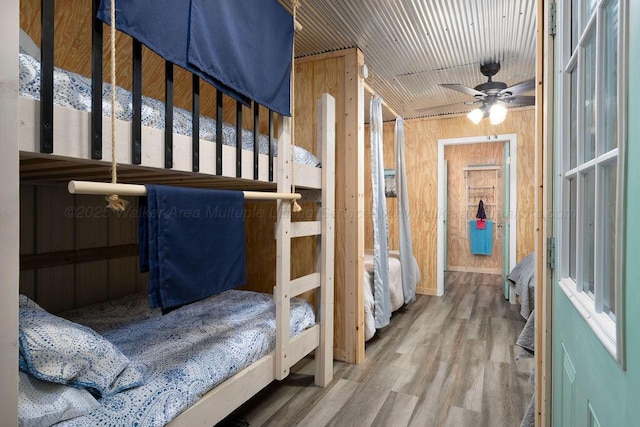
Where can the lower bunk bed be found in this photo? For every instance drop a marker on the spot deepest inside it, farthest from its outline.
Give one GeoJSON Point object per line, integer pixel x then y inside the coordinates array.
{"type": "Point", "coordinates": [141, 367]}
{"type": "Point", "coordinates": [396, 292]}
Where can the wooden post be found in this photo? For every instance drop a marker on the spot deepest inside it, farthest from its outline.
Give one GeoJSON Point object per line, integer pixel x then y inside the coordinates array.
{"type": "Point", "coordinates": [282, 291]}
{"type": "Point", "coordinates": [326, 125]}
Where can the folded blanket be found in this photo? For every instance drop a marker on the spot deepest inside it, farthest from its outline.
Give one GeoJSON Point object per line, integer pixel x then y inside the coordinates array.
{"type": "Point", "coordinates": [192, 243]}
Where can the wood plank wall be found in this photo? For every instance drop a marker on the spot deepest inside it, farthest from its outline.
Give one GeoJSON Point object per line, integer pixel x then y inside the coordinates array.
{"type": "Point", "coordinates": [421, 148]}
{"type": "Point", "coordinates": [337, 73]}
{"type": "Point", "coordinates": [73, 53]}
{"type": "Point", "coordinates": [459, 212]}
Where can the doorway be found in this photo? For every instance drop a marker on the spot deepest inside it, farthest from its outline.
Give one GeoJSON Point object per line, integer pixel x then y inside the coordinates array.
{"type": "Point", "coordinates": [470, 169]}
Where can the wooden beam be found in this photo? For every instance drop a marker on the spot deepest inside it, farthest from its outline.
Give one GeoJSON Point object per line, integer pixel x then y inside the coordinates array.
{"type": "Point", "coordinates": [384, 104]}
{"type": "Point", "coordinates": [76, 256]}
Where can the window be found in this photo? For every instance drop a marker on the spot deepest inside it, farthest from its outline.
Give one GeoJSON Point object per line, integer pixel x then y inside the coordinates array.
{"type": "Point", "coordinates": [591, 159]}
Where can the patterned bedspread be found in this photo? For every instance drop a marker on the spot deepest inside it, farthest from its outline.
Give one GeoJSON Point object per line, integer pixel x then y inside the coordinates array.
{"type": "Point", "coordinates": [184, 353]}
{"type": "Point", "coordinates": [74, 91]}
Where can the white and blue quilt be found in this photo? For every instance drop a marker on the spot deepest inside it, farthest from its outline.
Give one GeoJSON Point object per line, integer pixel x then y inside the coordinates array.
{"type": "Point", "coordinates": [74, 91]}
{"type": "Point", "coordinates": [184, 353]}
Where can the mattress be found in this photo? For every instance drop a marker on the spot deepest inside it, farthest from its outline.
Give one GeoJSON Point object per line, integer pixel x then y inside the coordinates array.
{"type": "Point", "coordinates": [184, 353]}
{"type": "Point", "coordinates": [395, 290]}
{"type": "Point", "coordinates": [74, 91]}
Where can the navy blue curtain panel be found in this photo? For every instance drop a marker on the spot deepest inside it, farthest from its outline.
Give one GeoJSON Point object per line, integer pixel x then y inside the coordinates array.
{"type": "Point", "coordinates": [242, 47]}
{"type": "Point", "coordinates": [192, 243]}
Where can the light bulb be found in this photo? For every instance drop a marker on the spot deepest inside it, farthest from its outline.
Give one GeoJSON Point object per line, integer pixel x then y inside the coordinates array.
{"type": "Point", "coordinates": [497, 114]}
{"type": "Point", "coordinates": [475, 115]}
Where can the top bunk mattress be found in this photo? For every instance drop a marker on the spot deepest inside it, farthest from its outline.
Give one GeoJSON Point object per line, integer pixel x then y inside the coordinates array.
{"type": "Point", "coordinates": [184, 353]}
{"type": "Point", "coordinates": [73, 91]}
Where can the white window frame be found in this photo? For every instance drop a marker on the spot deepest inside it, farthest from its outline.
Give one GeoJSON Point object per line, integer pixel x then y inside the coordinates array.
{"type": "Point", "coordinates": [608, 330]}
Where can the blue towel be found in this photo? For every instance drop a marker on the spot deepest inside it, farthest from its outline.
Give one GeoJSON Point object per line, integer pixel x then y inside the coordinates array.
{"type": "Point", "coordinates": [481, 239]}
{"type": "Point", "coordinates": [191, 242]}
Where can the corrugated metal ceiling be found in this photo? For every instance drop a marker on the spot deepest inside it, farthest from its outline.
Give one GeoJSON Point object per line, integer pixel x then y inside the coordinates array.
{"type": "Point", "coordinates": [411, 46]}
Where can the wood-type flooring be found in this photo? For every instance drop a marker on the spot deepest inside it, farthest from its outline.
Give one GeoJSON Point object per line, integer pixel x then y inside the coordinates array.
{"type": "Point", "coordinates": [443, 361]}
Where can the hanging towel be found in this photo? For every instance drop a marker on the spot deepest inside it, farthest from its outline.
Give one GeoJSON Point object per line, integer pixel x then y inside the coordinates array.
{"type": "Point", "coordinates": [481, 240]}
{"type": "Point", "coordinates": [191, 242]}
{"type": "Point", "coordinates": [481, 216]}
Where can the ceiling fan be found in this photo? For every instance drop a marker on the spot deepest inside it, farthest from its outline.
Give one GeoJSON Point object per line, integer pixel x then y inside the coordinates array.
{"type": "Point", "coordinates": [491, 95]}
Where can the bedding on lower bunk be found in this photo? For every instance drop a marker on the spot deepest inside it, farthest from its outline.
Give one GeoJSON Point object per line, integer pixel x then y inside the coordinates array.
{"type": "Point", "coordinates": [180, 356]}
{"type": "Point", "coordinates": [74, 91]}
{"type": "Point", "coordinates": [395, 290]}
{"type": "Point", "coordinates": [524, 282]}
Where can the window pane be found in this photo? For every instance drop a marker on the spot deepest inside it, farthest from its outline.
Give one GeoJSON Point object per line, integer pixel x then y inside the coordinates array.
{"type": "Point", "coordinates": [589, 7]}
{"type": "Point", "coordinates": [610, 101]}
{"type": "Point", "coordinates": [608, 197]}
{"type": "Point", "coordinates": [573, 132]}
{"type": "Point", "coordinates": [572, 229]}
{"type": "Point", "coordinates": [588, 230]}
{"type": "Point", "coordinates": [589, 93]}
{"type": "Point", "coordinates": [575, 28]}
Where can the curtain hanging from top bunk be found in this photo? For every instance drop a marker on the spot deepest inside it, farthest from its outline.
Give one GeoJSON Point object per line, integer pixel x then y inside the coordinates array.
{"type": "Point", "coordinates": [242, 47]}
{"type": "Point", "coordinates": [410, 270]}
{"type": "Point", "coordinates": [381, 293]}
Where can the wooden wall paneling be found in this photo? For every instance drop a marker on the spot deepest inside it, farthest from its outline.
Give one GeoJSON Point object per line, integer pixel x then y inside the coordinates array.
{"type": "Point", "coordinates": [122, 272]}
{"type": "Point", "coordinates": [338, 74]}
{"type": "Point", "coordinates": [27, 238]}
{"type": "Point", "coordinates": [91, 231]}
{"type": "Point", "coordinates": [421, 139]}
{"type": "Point", "coordinates": [459, 257]}
{"type": "Point", "coordinates": [55, 232]}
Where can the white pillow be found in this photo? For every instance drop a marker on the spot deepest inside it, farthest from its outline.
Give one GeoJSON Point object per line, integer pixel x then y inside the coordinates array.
{"type": "Point", "coordinates": [28, 46]}
{"type": "Point", "coordinates": [42, 403]}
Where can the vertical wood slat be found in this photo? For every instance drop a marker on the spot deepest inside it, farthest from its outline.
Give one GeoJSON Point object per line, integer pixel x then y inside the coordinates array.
{"type": "Point", "coordinates": [326, 125]}
{"type": "Point", "coordinates": [136, 103]}
{"type": "Point", "coordinates": [256, 129]}
{"type": "Point", "coordinates": [195, 125]}
{"type": "Point", "coordinates": [238, 139]}
{"type": "Point", "coordinates": [271, 130]}
{"type": "Point", "coordinates": [219, 119]}
{"type": "Point", "coordinates": [46, 78]}
{"type": "Point", "coordinates": [282, 291]}
{"type": "Point", "coordinates": [168, 115]}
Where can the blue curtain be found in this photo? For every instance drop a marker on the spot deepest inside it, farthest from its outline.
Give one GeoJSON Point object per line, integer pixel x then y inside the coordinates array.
{"type": "Point", "coordinates": [382, 298]}
{"type": "Point", "coordinates": [410, 269]}
{"type": "Point", "coordinates": [242, 47]}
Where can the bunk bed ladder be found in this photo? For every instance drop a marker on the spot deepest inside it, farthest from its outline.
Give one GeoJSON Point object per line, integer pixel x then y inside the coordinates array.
{"type": "Point", "coordinates": [282, 291]}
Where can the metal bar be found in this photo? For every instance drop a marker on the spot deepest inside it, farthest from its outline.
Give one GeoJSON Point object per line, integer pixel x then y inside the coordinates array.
{"type": "Point", "coordinates": [238, 139]}
{"type": "Point", "coordinates": [195, 125]}
{"type": "Point", "coordinates": [46, 79]}
{"type": "Point", "coordinates": [256, 146]}
{"type": "Point", "coordinates": [271, 131]}
{"type": "Point", "coordinates": [106, 188]}
{"type": "Point", "coordinates": [168, 115]}
{"type": "Point", "coordinates": [136, 103]}
{"type": "Point", "coordinates": [218, 132]}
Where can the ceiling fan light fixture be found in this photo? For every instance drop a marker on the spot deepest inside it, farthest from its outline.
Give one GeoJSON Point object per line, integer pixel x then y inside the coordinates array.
{"type": "Point", "coordinates": [475, 115]}
{"type": "Point", "coordinates": [497, 114]}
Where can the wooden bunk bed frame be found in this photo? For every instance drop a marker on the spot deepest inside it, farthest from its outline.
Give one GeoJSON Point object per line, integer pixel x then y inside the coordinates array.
{"type": "Point", "coordinates": [72, 157]}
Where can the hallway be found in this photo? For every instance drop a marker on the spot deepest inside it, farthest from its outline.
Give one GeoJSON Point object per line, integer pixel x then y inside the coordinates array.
{"type": "Point", "coordinates": [446, 361]}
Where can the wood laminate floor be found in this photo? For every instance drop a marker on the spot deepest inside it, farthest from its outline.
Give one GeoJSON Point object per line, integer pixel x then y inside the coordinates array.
{"type": "Point", "coordinates": [447, 361]}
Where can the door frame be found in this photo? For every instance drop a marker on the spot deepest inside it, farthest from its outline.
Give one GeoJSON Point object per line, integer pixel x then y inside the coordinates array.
{"type": "Point", "coordinates": [512, 140]}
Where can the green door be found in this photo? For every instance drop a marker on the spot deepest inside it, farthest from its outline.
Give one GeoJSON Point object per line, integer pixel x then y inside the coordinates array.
{"type": "Point", "coordinates": [596, 286]}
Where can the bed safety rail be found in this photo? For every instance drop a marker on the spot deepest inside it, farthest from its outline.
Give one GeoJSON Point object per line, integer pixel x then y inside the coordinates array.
{"type": "Point", "coordinates": [96, 123]}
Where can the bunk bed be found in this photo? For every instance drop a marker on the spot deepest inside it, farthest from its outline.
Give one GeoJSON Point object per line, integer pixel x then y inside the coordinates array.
{"type": "Point", "coordinates": [60, 142]}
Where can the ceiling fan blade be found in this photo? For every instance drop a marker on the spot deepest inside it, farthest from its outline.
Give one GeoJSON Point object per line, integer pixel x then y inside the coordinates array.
{"type": "Point", "coordinates": [445, 108]}
{"type": "Point", "coordinates": [464, 89]}
{"type": "Point", "coordinates": [521, 87]}
{"type": "Point", "coordinates": [519, 100]}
